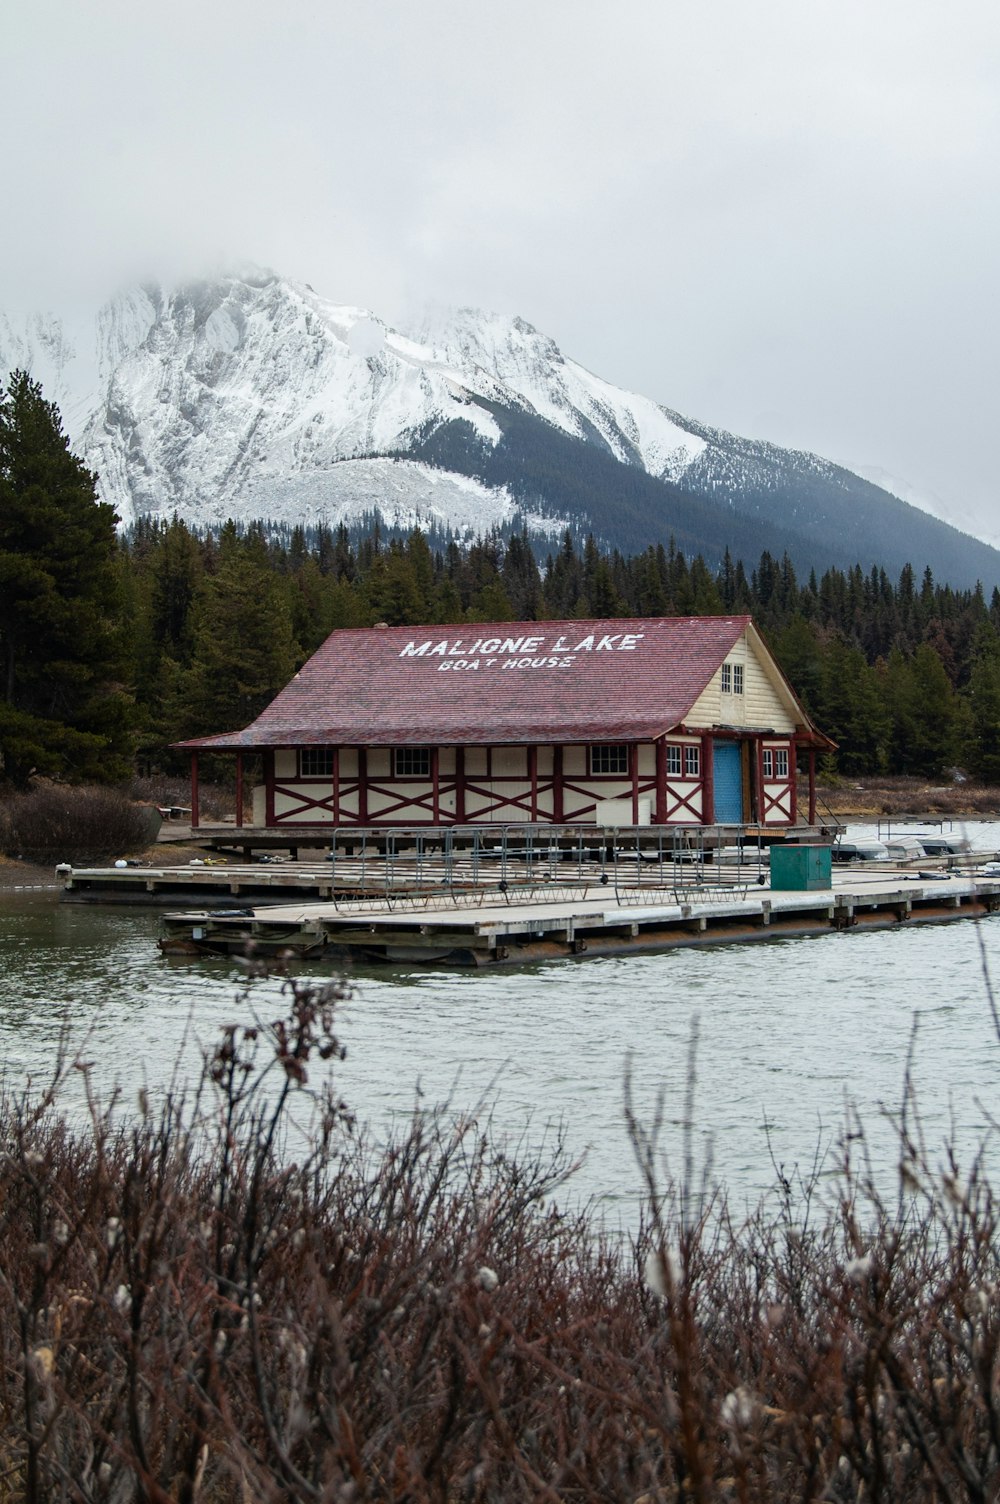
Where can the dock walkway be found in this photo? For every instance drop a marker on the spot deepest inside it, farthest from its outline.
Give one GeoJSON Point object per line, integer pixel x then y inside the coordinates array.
{"type": "Point", "coordinates": [577, 919]}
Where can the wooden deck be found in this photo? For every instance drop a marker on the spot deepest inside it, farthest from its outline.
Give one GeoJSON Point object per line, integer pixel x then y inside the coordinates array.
{"type": "Point", "coordinates": [574, 919]}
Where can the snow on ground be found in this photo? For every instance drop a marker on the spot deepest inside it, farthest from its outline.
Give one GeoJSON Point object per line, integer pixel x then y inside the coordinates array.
{"type": "Point", "coordinates": [927, 501]}
{"type": "Point", "coordinates": [405, 493]}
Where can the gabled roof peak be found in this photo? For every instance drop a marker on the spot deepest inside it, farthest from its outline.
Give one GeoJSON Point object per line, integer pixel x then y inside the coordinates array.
{"type": "Point", "coordinates": [511, 683]}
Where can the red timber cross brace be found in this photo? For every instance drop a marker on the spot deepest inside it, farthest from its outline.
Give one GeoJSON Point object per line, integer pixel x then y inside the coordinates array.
{"type": "Point", "coordinates": [783, 802]}
{"type": "Point", "coordinates": [676, 805]}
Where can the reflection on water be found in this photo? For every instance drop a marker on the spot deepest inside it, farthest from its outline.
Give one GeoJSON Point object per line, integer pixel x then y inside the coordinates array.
{"type": "Point", "coordinates": [791, 1032]}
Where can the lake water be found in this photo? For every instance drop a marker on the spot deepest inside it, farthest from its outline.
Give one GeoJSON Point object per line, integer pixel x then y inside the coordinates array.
{"type": "Point", "coordinates": [791, 1033]}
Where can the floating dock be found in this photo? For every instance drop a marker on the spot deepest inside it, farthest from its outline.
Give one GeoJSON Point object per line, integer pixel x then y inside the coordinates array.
{"type": "Point", "coordinates": [366, 862]}
{"type": "Point", "coordinates": [547, 921]}
{"type": "Point", "coordinates": [210, 882]}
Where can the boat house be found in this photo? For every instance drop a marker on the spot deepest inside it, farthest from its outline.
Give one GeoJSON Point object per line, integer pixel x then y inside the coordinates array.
{"type": "Point", "coordinates": [657, 721]}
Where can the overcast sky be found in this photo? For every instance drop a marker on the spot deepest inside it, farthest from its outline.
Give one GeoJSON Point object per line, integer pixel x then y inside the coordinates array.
{"type": "Point", "coordinates": [781, 217]}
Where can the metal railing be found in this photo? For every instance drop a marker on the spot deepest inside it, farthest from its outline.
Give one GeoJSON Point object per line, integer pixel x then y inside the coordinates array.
{"type": "Point", "coordinates": [452, 865]}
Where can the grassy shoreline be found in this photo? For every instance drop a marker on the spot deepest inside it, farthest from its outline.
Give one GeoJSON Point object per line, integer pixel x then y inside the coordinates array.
{"type": "Point", "coordinates": [905, 799]}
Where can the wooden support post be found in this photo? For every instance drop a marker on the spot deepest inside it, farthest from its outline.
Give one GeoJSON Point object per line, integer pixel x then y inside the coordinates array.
{"type": "Point", "coordinates": [634, 758]}
{"type": "Point", "coordinates": [812, 785]}
{"type": "Point", "coordinates": [533, 775]}
{"type": "Point", "coordinates": [708, 781]}
{"type": "Point", "coordinates": [557, 785]}
{"type": "Point", "coordinates": [195, 816]}
{"type": "Point", "coordinates": [459, 785]}
{"type": "Point", "coordinates": [362, 786]}
{"type": "Point", "coordinates": [239, 790]}
{"type": "Point", "coordinates": [758, 777]}
{"type": "Point", "coordinates": [269, 787]}
{"type": "Point", "coordinates": [436, 785]}
{"type": "Point", "coordinates": [661, 783]}
{"type": "Point", "coordinates": [336, 786]}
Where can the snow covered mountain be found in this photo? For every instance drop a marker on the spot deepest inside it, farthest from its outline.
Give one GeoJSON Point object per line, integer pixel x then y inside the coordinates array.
{"type": "Point", "coordinates": [251, 397]}
{"type": "Point", "coordinates": [258, 398]}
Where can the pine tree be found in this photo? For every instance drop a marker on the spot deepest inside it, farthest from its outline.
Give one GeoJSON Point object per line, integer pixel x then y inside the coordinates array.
{"type": "Point", "coordinates": [392, 590]}
{"type": "Point", "coordinates": [852, 709]}
{"type": "Point", "coordinates": [984, 702]}
{"type": "Point", "coordinates": [244, 647]}
{"type": "Point", "coordinates": [926, 713]}
{"type": "Point", "coordinates": [64, 708]}
{"type": "Point", "coordinates": [521, 580]}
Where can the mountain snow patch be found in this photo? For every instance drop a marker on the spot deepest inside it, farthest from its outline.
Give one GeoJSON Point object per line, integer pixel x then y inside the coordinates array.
{"type": "Point", "coordinates": [405, 494]}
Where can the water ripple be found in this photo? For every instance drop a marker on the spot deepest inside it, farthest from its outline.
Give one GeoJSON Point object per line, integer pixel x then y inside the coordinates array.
{"type": "Point", "coordinates": [791, 1032]}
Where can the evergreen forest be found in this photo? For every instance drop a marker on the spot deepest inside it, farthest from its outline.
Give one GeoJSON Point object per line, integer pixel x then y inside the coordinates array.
{"type": "Point", "coordinates": [115, 644]}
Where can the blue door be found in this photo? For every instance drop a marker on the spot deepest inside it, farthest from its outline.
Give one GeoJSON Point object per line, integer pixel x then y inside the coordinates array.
{"type": "Point", "coordinates": [727, 768]}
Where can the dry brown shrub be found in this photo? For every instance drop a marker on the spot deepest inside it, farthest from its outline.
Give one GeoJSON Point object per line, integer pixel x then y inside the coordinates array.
{"type": "Point", "coordinates": [55, 822]}
{"type": "Point", "coordinates": [209, 1302]}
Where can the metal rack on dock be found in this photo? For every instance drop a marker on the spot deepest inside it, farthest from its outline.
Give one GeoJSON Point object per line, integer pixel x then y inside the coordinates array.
{"type": "Point", "coordinates": [449, 861]}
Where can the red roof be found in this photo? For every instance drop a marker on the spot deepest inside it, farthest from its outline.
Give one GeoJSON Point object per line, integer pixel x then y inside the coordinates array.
{"type": "Point", "coordinates": [516, 683]}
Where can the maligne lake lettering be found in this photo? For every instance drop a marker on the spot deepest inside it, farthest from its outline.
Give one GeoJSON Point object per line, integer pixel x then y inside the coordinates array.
{"type": "Point", "coordinates": [519, 652]}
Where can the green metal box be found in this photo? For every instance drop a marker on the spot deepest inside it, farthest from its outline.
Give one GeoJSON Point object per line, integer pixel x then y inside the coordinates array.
{"type": "Point", "coordinates": [800, 869]}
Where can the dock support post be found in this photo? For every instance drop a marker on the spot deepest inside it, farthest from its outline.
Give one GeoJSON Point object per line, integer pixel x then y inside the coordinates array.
{"type": "Point", "coordinates": [239, 789]}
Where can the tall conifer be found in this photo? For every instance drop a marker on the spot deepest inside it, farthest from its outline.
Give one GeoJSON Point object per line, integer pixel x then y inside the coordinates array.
{"type": "Point", "coordinates": [63, 706]}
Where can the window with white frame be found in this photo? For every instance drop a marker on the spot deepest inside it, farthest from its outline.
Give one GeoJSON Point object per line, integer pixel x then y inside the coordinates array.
{"type": "Point", "coordinates": [316, 762]}
{"type": "Point", "coordinates": [732, 679]}
{"type": "Point", "coordinates": [673, 760]}
{"type": "Point", "coordinates": [608, 758]}
{"type": "Point", "coordinates": [774, 762]}
{"type": "Point", "coordinates": [411, 762]}
{"type": "Point", "coordinates": [692, 762]}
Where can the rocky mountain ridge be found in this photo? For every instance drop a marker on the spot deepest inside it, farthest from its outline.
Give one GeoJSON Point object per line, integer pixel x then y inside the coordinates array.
{"type": "Point", "coordinates": [247, 396]}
